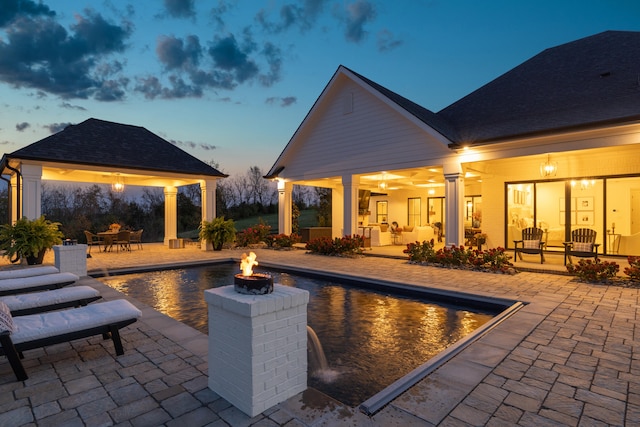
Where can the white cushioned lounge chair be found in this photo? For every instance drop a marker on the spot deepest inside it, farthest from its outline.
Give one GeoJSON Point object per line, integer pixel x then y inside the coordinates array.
{"type": "Point", "coordinates": [56, 299]}
{"type": "Point", "coordinates": [16, 273]}
{"type": "Point", "coordinates": [38, 330]}
{"type": "Point", "coordinates": [36, 283]}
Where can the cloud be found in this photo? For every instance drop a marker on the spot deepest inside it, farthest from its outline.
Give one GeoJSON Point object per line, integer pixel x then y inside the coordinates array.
{"type": "Point", "coordinates": [387, 41]}
{"type": "Point", "coordinates": [56, 127]}
{"type": "Point", "coordinates": [284, 102]}
{"type": "Point", "coordinates": [175, 53]}
{"type": "Point", "coordinates": [228, 56]}
{"type": "Point", "coordinates": [358, 14]}
{"type": "Point", "coordinates": [302, 16]}
{"type": "Point", "coordinates": [39, 53]}
{"type": "Point", "coordinates": [13, 8]}
{"type": "Point", "coordinates": [69, 106]}
{"type": "Point", "coordinates": [193, 145]}
{"type": "Point", "coordinates": [180, 8]}
{"type": "Point", "coordinates": [208, 147]}
{"type": "Point", "coordinates": [20, 127]}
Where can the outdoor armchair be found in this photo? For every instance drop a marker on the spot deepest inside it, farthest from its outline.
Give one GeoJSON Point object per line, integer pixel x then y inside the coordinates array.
{"type": "Point", "coordinates": [532, 242]}
{"type": "Point", "coordinates": [583, 244]}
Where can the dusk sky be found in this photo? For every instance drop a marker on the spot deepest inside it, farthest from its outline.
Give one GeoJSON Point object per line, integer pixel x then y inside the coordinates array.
{"type": "Point", "coordinates": [230, 81]}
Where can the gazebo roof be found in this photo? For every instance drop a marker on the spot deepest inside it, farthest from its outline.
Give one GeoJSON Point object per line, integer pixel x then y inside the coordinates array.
{"type": "Point", "coordinates": [102, 147]}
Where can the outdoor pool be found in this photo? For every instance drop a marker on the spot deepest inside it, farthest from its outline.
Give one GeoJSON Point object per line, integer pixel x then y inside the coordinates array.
{"type": "Point", "coordinates": [371, 337]}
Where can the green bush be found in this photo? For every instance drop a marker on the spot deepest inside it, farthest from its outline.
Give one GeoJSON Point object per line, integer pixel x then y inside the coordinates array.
{"type": "Point", "coordinates": [345, 246]}
{"type": "Point", "coordinates": [495, 259]}
{"type": "Point", "coordinates": [253, 235]}
{"type": "Point", "coordinates": [282, 240]}
{"type": "Point", "coordinates": [588, 270]}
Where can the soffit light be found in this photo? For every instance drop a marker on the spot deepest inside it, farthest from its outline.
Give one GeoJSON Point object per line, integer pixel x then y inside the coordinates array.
{"type": "Point", "coordinates": [548, 169]}
{"type": "Point", "coordinates": [117, 186]}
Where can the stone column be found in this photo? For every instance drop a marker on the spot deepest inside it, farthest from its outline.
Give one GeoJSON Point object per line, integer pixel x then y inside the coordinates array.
{"type": "Point", "coordinates": [285, 190]}
{"type": "Point", "coordinates": [257, 346]}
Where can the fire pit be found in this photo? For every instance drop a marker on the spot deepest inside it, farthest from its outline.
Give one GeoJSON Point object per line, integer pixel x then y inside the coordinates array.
{"type": "Point", "coordinates": [251, 283]}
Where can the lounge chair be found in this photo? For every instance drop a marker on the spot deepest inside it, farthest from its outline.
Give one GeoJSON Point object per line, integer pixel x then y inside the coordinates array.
{"type": "Point", "coordinates": [18, 334]}
{"type": "Point", "coordinates": [531, 243]}
{"type": "Point", "coordinates": [15, 273]}
{"type": "Point", "coordinates": [583, 244]}
{"type": "Point", "coordinates": [39, 302]}
{"type": "Point", "coordinates": [36, 283]}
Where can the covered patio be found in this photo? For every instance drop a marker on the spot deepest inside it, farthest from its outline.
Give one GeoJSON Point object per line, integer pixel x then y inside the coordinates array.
{"type": "Point", "coordinates": [101, 152]}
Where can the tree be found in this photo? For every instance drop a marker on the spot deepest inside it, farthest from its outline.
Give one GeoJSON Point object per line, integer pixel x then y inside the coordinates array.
{"type": "Point", "coordinates": [324, 206]}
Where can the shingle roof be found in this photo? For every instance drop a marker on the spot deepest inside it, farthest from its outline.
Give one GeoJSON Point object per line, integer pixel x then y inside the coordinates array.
{"type": "Point", "coordinates": [589, 82]}
{"type": "Point", "coordinates": [102, 143]}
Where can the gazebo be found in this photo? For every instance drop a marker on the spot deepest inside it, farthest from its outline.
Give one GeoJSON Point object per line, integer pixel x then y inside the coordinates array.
{"type": "Point", "coordinates": [98, 151]}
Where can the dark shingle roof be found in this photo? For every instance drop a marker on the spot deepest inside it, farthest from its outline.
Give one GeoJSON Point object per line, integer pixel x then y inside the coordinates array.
{"type": "Point", "coordinates": [101, 143]}
{"type": "Point", "coordinates": [584, 83]}
{"type": "Point", "coordinates": [589, 82]}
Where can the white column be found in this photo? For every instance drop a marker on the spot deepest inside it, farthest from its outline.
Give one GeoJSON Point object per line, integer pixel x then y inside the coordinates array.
{"type": "Point", "coordinates": [170, 214]}
{"type": "Point", "coordinates": [16, 199]}
{"type": "Point", "coordinates": [31, 191]}
{"type": "Point", "coordinates": [454, 197]}
{"type": "Point", "coordinates": [285, 190]}
{"type": "Point", "coordinates": [208, 198]}
{"type": "Point", "coordinates": [350, 185]}
{"type": "Point", "coordinates": [337, 212]}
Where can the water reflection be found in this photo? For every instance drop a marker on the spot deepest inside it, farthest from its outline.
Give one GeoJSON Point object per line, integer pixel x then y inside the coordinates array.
{"type": "Point", "coordinates": [370, 339]}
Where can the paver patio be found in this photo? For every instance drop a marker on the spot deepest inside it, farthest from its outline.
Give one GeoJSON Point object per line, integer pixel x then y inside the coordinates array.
{"type": "Point", "coordinates": [567, 358]}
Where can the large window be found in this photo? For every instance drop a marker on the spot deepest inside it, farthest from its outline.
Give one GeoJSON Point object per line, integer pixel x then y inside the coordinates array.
{"type": "Point", "coordinates": [414, 211]}
{"type": "Point", "coordinates": [382, 212]}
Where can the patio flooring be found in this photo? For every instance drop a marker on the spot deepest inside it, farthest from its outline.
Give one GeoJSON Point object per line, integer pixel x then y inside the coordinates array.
{"type": "Point", "coordinates": [567, 358]}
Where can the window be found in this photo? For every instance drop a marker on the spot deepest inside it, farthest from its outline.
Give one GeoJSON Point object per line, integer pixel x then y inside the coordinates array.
{"type": "Point", "coordinates": [382, 212]}
{"type": "Point", "coordinates": [414, 212]}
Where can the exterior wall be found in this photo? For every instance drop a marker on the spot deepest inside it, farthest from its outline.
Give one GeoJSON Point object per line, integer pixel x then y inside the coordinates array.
{"type": "Point", "coordinates": [372, 137]}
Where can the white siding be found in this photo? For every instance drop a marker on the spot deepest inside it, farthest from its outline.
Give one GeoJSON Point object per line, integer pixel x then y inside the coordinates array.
{"type": "Point", "coordinates": [373, 137]}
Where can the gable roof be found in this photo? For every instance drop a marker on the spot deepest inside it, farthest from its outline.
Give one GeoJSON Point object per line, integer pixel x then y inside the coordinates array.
{"type": "Point", "coordinates": [589, 82]}
{"type": "Point", "coordinates": [101, 143]}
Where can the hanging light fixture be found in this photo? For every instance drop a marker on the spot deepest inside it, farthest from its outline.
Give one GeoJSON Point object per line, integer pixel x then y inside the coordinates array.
{"type": "Point", "coordinates": [548, 169]}
{"type": "Point", "coordinates": [117, 186]}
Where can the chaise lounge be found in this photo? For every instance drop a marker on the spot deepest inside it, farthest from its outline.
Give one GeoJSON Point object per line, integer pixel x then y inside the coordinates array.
{"type": "Point", "coordinates": [38, 330]}
{"type": "Point", "coordinates": [36, 283]}
{"type": "Point", "coordinates": [16, 273]}
{"type": "Point", "coordinates": [56, 299]}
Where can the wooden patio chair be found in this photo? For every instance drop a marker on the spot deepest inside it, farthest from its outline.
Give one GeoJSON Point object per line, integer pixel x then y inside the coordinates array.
{"type": "Point", "coordinates": [583, 244]}
{"type": "Point", "coordinates": [136, 237]}
{"type": "Point", "coordinates": [93, 240]}
{"type": "Point", "coordinates": [531, 243]}
{"type": "Point", "coordinates": [123, 241]}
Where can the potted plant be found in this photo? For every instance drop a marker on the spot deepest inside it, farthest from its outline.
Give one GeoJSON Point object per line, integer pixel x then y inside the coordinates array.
{"type": "Point", "coordinates": [29, 239]}
{"type": "Point", "coordinates": [218, 231]}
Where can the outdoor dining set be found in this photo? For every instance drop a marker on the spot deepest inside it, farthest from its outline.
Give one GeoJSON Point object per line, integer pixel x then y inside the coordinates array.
{"type": "Point", "coordinates": [114, 237]}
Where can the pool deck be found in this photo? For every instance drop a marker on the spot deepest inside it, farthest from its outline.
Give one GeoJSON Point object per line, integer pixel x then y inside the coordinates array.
{"type": "Point", "coordinates": [567, 358]}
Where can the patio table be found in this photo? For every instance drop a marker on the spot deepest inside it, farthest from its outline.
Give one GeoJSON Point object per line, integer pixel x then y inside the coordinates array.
{"type": "Point", "coordinates": [108, 237]}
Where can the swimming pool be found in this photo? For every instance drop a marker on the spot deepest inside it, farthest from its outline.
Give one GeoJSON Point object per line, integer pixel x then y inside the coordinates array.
{"type": "Point", "coordinates": [370, 337]}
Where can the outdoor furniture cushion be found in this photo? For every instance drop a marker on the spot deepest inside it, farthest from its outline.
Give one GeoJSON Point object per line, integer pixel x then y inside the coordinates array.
{"type": "Point", "coordinates": [531, 244]}
{"type": "Point", "coordinates": [6, 320]}
{"type": "Point", "coordinates": [581, 247]}
{"type": "Point", "coordinates": [36, 283]}
{"type": "Point", "coordinates": [38, 302]}
{"type": "Point", "coordinates": [39, 330]}
{"type": "Point", "coordinates": [15, 273]}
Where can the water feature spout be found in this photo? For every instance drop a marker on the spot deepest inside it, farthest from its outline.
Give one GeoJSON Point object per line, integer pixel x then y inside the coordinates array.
{"type": "Point", "coordinates": [318, 365]}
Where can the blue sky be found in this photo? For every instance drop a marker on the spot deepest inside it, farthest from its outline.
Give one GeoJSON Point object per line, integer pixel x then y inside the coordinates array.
{"type": "Point", "coordinates": [230, 81]}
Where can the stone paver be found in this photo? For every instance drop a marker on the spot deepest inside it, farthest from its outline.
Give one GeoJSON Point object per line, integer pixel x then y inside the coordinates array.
{"type": "Point", "coordinates": [566, 358]}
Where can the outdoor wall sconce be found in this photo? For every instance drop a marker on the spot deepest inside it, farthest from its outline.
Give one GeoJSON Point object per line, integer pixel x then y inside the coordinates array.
{"type": "Point", "coordinates": [117, 186]}
{"type": "Point", "coordinates": [548, 169]}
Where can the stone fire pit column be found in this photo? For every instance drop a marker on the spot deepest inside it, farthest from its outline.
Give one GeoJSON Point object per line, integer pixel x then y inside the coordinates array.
{"type": "Point", "coordinates": [257, 346]}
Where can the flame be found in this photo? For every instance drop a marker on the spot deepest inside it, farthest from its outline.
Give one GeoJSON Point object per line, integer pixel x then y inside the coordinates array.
{"type": "Point", "coordinates": [247, 263]}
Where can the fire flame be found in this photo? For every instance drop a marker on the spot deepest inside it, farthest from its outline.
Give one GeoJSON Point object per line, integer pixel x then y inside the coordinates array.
{"type": "Point", "coordinates": [247, 263]}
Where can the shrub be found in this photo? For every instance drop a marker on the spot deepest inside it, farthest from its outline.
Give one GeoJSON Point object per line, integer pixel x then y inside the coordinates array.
{"type": "Point", "coordinates": [253, 235]}
{"type": "Point", "coordinates": [345, 246]}
{"type": "Point", "coordinates": [495, 259]}
{"type": "Point", "coordinates": [588, 270]}
{"type": "Point", "coordinates": [282, 240]}
{"type": "Point", "coordinates": [633, 271]}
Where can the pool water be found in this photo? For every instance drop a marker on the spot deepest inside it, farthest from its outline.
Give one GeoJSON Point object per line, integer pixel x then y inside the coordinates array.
{"type": "Point", "coordinates": [370, 338]}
